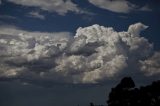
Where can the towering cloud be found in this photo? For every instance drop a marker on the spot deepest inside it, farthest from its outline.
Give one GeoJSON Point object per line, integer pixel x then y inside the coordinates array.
{"type": "Point", "coordinates": [94, 55]}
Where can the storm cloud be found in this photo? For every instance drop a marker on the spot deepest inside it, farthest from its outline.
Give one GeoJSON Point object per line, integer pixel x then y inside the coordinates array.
{"type": "Point", "coordinates": [94, 55]}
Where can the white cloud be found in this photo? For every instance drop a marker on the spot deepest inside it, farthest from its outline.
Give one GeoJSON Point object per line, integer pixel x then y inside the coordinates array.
{"type": "Point", "coordinates": [151, 66]}
{"type": "Point", "coordinates": [95, 54]}
{"type": "Point", "coordinates": [108, 69]}
{"type": "Point", "coordinates": [59, 6]}
{"type": "Point", "coordinates": [119, 6]}
{"type": "Point", "coordinates": [136, 28]}
{"type": "Point", "coordinates": [36, 14]}
{"type": "Point", "coordinates": [8, 71]}
{"type": "Point", "coordinates": [21, 43]}
{"type": "Point", "coordinates": [15, 31]}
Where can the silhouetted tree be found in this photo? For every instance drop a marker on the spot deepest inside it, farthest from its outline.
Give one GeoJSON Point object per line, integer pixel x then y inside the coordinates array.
{"type": "Point", "coordinates": [91, 104]}
{"type": "Point", "coordinates": [125, 94]}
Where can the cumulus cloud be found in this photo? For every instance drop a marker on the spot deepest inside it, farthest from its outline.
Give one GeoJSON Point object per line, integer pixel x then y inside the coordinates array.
{"type": "Point", "coordinates": [59, 6]}
{"type": "Point", "coordinates": [136, 28]}
{"type": "Point", "coordinates": [29, 50]}
{"type": "Point", "coordinates": [94, 55]}
{"type": "Point", "coordinates": [151, 66]}
{"type": "Point", "coordinates": [119, 6]}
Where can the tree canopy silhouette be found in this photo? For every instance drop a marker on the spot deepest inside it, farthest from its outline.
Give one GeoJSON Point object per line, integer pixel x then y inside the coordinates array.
{"type": "Point", "coordinates": [125, 94]}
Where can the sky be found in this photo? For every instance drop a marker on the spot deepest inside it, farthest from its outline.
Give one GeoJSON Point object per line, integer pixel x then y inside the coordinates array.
{"type": "Point", "coordinates": [72, 52]}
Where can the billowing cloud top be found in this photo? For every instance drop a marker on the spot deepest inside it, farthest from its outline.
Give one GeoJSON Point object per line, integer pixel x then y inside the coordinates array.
{"type": "Point", "coordinates": [93, 55]}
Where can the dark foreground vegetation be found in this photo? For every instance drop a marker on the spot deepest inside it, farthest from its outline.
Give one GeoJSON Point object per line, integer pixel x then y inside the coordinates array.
{"type": "Point", "coordinates": [126, 94]}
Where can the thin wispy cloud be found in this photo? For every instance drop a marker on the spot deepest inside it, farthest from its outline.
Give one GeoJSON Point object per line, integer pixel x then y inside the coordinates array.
{"type": "Point", "coordinates": [61, 7]}
{"type": "Point", "coordinates": [36, 14]}
{"type": "Point", "coordinates": [118, 6]}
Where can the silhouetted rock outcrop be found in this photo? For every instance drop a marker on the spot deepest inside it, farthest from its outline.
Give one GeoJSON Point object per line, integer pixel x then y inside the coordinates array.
{"type": "Point", "coordinates": [125, 94]}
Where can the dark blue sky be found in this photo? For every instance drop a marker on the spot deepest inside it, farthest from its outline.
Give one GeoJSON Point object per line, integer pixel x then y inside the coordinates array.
{"type": "Point", "coordinates": [38, 17]}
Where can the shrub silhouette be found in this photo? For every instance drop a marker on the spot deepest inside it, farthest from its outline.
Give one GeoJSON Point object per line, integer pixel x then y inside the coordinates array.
{"type": "Point", "coordinates": [125, 94]}
{"type": "Point", "coordinates": [91, 104]}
